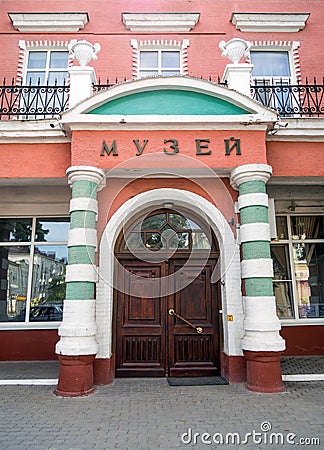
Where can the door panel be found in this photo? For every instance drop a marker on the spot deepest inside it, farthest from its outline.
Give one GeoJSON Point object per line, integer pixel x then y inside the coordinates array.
{"type": "Point", "coordinates": [140, 323]}
{"type": "Point", "coordinates": [191, 353]}
{"type": "Point", "coordinates": [150, 342]}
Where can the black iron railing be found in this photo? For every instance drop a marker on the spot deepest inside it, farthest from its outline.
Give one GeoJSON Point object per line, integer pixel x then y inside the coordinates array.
{"type": "Point", "coordinates": [32, 102]}
{"type": "Point", "coordinates": [36, 102]}
{"type": "Point", "coordinates": [291, 100]}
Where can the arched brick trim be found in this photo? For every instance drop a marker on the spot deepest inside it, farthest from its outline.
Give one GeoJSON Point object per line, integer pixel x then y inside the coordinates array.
{"type": "Point", "coordinates": [24, 46]}
{"type": "Point", "coordinates": [229, 264]}
{"type": "Point", "coordinates": [179, 45]}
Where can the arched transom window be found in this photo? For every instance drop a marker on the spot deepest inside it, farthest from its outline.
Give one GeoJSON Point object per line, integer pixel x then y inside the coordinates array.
{"type": "Point", "coordinates": [167, 230]}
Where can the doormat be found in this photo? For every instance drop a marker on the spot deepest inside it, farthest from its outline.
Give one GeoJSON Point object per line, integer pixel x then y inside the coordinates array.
{"type": "Point", "coordinates": [196, 381]}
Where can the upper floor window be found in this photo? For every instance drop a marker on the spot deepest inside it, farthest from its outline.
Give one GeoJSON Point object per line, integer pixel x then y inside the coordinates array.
{"type": "Point", "coordinates": [273, 68]}
{"type": "Point", "coordinates": [46, 67]}
{"type": "Point", "coordinates": [160, 58]}
{"type": "Point", "coordinates": [159, 62]}
{"type": "Point", "coordinates": [270, 64]}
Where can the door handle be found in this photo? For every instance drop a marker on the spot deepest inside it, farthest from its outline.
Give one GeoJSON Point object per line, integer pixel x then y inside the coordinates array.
{"type": "Point", "coordinates": [173, 313]}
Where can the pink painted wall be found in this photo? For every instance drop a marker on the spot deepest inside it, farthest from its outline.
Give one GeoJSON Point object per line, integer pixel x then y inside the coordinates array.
{"type": "Point", "coordinates": [34, 161]}
{"type": "Point", "coordinates": [296, 158]}
{"type": "Point", "coordinates": [106, 27]}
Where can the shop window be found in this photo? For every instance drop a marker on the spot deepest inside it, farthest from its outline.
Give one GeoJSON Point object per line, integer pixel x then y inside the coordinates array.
{"type": "Point", "coordinates": [33, 255]}
{"type": "Point", "coordinates": [298, 261]}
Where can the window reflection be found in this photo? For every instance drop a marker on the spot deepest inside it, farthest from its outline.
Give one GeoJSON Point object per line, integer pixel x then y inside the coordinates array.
{"type": "Point", "coordinates": [48, 286]}
{"type": "Point", "coordinates": [32, 277]}
{"type": "Point", "coordinates": [15, 230]}
{"type": "Point", "coordinates": [167, 231]}
{"type": "Point", "coordinates": [14, 282]}
{"type": "Point", "coordinates": [52, 230]}
{"type": "Point", "coordinates": [309, 273]}
{"type": "Point", "coordinates": [282, 281]}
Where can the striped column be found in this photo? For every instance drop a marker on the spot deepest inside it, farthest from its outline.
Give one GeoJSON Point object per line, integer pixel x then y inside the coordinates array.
{"type": "Point", "coordinates": [77, 346]}
{"type": "Point", "coordinates": [261, 338]}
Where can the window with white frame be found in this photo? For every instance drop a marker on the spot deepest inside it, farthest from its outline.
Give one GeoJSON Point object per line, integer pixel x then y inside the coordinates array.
{"type": "Point", "coordinates": [33, 254]}
{"type": "Point", "coordinates": [273, 67]}
{"type": "Point", "coordinates": [298, 262]}
{"type": "Point", "coordinates": [46, 67]}
{"type": "Point", "coordinates": [159, 62]}
{"type": "Point", "coordinates": [270, 65]}
{"type": "Point", "coordinates": [160, 57]}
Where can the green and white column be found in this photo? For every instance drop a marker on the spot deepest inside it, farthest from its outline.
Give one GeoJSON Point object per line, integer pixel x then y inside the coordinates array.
{"type": "Point", "coordinates": [262, 343]}
{"type": "Point", "coordinates": [77, 346]}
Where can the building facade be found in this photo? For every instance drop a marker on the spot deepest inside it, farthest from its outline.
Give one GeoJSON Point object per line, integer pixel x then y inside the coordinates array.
{"type": "Point", "coordinates": [161, 186]}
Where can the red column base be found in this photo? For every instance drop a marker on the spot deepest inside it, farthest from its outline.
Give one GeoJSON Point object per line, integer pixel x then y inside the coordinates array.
{"type": "Point", "coordinates": [263, 372]}
{"type": "Point", "coordinates": [76, 376]}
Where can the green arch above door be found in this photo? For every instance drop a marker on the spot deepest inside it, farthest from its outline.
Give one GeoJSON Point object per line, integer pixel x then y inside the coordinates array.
{"type": "Point", "coordinates": [169, 102]}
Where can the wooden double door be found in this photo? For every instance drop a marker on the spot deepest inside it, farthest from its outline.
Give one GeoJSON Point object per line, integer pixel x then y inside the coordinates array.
{"type": "Point", "coordinates": [176, 334]}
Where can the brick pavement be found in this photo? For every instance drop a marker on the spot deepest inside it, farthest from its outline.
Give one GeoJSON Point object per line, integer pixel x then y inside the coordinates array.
{"type": "Point", "coordinates": [149, 414]}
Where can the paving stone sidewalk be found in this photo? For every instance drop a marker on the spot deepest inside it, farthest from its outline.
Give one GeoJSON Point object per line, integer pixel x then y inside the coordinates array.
{"type": "Point", "coordinates": [149, 414]}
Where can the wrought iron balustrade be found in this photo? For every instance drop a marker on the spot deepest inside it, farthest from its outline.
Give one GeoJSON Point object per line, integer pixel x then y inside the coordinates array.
{"type": "Point", "coordinates": [32, 102]}
{"type": "Point", "coordinates": [291, 100]}
{"type": "Point", "coordinates": [37, 102]}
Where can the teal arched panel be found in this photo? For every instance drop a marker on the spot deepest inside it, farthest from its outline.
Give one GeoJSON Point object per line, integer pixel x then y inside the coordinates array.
{"type": "Point", "coordinates": [169, 102]}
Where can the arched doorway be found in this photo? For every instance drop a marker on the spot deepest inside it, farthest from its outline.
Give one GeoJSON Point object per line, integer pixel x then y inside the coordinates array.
{"type": "Point", "coordinates": [166, 306]}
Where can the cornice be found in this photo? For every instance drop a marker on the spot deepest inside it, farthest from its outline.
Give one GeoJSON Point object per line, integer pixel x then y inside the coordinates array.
{"type": "Point", "coordinates": [299, 130]}
{"type": "Point", "coordinates": [160, 22]}
{"type": "Point", "coordinates": [49, 22]}
{"type": "Point", "coordinates": [269, 22]}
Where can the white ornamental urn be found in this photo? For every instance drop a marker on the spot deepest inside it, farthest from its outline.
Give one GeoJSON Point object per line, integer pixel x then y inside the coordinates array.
{"type": "Point", "coordinates": [83, 51]}
{"type": "Point", "coordinates": [235, 49]}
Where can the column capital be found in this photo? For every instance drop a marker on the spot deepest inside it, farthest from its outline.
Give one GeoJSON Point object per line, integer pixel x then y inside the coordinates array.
{"type": "Point", "coordinates": [250, 172]}
{"type": "Point", "coordinates": [86, 173]}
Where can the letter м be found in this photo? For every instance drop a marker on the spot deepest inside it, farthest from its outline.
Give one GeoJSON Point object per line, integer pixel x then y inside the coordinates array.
{"type": "Point", "coordinates": [112, 149]}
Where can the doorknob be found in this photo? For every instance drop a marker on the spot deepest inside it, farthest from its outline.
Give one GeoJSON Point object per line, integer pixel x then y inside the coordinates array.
{"type": "Point", "coordinates": [173, 313]}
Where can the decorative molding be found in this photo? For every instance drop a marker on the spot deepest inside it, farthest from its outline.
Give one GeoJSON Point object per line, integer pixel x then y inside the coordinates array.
{"type": "Point", "coordinates": [86, 173]}
{"type": "Point", "coordinates": [256, 268]}
{"type": "Point", "coordinates": [84, 204]}
{"type": "Point", "coordinates": [81, 272]}
{"type": "Point", "coordinates": [250, 172]}
{"type": "Point", "coordinates": [160, 22]}
{"type": "Point", "coordinates": [270, 22]}
{"type": "Point", "coordinates": [256, 231]}
{"type": "Point", "coordinates": [49, 22]}
{"type": "Point", "coordinates": [300, 130]}
{"type": "Point", "coordinates": [260, 314]}
{"type": "Point", "coordinates": [254, 199]}
{"type": "Point", "coordinates": [82, 237]}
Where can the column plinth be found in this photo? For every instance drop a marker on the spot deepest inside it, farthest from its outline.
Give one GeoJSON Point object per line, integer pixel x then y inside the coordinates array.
{"type": "Point", "coordinates": [76, 376]}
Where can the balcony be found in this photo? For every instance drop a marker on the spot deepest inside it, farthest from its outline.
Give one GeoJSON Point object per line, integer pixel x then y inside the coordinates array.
{"type": "Point", "coordinates": [291, 100]}
{"type": "Point", "coordinates": [40, 102]}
